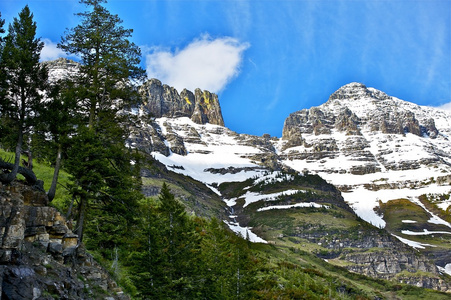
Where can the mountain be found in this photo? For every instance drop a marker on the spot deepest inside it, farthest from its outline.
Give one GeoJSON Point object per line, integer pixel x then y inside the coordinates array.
{"type": "Point", "coordinates": [362, 181]}
{"type": "Point", "coordinates": [380, 151]}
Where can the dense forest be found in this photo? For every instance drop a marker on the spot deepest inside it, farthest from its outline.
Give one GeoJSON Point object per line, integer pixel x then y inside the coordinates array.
{"type": "Point", "coordinates": [151, 246]}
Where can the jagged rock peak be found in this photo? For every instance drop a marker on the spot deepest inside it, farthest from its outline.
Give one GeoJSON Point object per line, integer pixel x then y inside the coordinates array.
{"type": "Point", "coordinates": [354, 107]}
{"type": "Point", "coordinates": [161, 100]}
{"type": "Point", "coordinates": [61, 62]}
{"type": "Point", "coordinates": [356, 90]}
{"type": "Point", "coordinates": [61, 68]}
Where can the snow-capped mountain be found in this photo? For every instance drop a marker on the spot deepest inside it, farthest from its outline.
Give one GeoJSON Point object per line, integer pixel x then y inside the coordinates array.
{"type": "Point", "coordinates": [390, 160]}
{"type": "Point", "coordinates": [372, 146]}
{"type": "Point", "coordinates": [375, 148]}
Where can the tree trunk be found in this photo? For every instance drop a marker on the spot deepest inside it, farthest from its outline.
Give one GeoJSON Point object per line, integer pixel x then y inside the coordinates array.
{"type": "Point", "coordinates": [81, 219]}
{"type": "Point", "coordinates": [9, 177]}
{"type": "Point", "coordinates": [69, 210]}
{"type": "Point", "coordinates": [30, 177]}
{"type": "Point", "coordinates": [30, 160]}
{"type": "Point", "coordinates": [52, 190]}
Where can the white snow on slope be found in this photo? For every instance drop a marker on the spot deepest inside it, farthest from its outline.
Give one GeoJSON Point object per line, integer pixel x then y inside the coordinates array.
{"type": "Point", "coordinates": [446, 269]}
{"type": "Point", "coordinates": [424, 232]}
{"type": "Point", "coordinates": [251, 197]}
{"type": "Point", "coordinates": [195, 164]}
{"type": "Point", "coordinates": [245, 232]}
{"type": "Point", "coordinates": [220, 149]}
{"type": "Point", "coordinates": [309, 204]}
{"type": "Point", "coordinates": [413, 244]}
{"type": "Point", "coordinates": [363, 201]}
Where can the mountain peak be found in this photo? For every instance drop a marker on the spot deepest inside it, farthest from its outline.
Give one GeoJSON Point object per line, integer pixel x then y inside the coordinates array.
{"type": "Point", "coordinates": [162, 100]}
{"type": "Point", "coordinates": [350, 90]}
{"type": "Point", "coordinates": [356, 91]}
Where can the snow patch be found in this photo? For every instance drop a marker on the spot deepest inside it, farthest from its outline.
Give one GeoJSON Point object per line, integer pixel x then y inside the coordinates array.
{"type": "Point", "coordinates": [413, 244]}
{"type": "Point", "coordinates": [251, 197]}
{"type": "Point", "coordinates": [245, 232]}
{"type": "Point", "coordinates": [424, 232]}
{"type": "Point", "coordinates": [408, 221]}
{"type": "Point", "coordinates": [309, 204]}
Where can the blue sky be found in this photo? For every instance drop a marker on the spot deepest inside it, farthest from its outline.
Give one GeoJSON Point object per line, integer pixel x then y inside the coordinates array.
{"type": "Point", "coordinates": [266, 59]}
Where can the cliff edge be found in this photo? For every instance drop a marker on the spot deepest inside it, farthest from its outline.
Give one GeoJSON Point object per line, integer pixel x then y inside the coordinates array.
{"type": "Point", "coordinates": [40, 257]}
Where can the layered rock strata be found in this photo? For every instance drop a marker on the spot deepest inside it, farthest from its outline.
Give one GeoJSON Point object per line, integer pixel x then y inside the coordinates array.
{"type": "Point", "coordinates": [39, 254]}
{"type": "Point", "coordinates": [161, 100]}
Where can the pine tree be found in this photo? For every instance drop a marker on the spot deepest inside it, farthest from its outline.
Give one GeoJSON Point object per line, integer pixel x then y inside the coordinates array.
{"type": "Point", "coordinates": [180, 246]}
{"type": "Point", "coordinates": [109, 61]}
{"type": "Point", "coordinates": [2, 22]}
{"type": "Point", "coordinates": [57, 123]}
{"type": "Point", "coordinates": [22, 80]}
{"type": "Point", "coordinates": [109, 68]}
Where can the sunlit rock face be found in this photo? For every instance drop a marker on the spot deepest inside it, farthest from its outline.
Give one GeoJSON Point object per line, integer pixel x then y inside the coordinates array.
{"type": "Point", "coordinates": [361, 124]}
{"type": "Point", "coordinates": [161, 100]}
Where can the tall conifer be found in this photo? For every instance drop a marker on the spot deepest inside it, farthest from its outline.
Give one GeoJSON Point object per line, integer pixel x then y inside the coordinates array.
{"type": "Point", "coordinates": [99, 161]}
{"type": "Point", "coordinates": [22, 81]}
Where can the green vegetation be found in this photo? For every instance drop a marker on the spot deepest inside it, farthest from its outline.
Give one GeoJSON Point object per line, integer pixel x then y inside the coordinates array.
{"type": "Point", "coordinates": [395, 211]}
{"type": "Point", "coordinates": [152, 246]}
{"type": "Point", "coordinates": [22, 78]}
{"type": "Point", "coordinates": [431, 201]}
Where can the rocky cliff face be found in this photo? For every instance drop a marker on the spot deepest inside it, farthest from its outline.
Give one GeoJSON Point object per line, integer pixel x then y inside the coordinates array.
{"type": "Point", "coordinates": [39, 254]}
{"type": "Point", "coordinates": [354, 107]}
{"type": "Point", "coordinates": [161, 100]}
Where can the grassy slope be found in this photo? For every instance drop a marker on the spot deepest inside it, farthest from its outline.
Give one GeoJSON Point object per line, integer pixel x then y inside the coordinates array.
{"type": "Point", "coordinates": [197, 197]}
{"type": "Point", "coordinates": [395, 211]}
{"type": "Point", "coordinates": [294, 234]}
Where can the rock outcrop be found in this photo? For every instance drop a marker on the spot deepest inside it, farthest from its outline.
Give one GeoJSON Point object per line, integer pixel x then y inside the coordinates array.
{"type": "Point", "coordinates": [161, 100]}
{"type": "Point", "coordinates": [370, 121]}
{"type": "Point", "coordinates": [40, 257]}
{"type": "Point", "coordinates": [381, 113]}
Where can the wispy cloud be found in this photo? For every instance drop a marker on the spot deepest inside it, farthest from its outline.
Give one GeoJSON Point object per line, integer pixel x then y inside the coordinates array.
{"type": "Point", "coordinates": [51, 51]}
{"type": "Point", "coordinates": [446, 106]}
{"type": "Point", "coordinates": [205, 63]}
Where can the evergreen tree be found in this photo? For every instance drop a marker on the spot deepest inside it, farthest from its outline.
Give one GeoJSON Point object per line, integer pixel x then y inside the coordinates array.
{"type": "Point", "coordinates": [100, 166]}
{"type": "Point", "coordinates": [3, 128]}
{"type": "Point", "coordinates": [57, 123]}
{"type": "Point", "coordinates": [2, 22]}
{"type": "Point", "coordinates": [180, 247]}
{"type": "Point", "coordinates": [22, 80]}
{"type": "Point", "coordinates": [109, 61]}
{"type": "Point", "coordinates": [166, 255]}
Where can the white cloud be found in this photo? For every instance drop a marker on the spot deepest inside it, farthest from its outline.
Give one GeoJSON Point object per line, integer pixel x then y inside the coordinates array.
{"type": "Point", "coordinates": [205, 63]}
{"type": "Point", "coordinates": [51, 51]}
{"type": "Point", "coordinates": [446, 106]}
